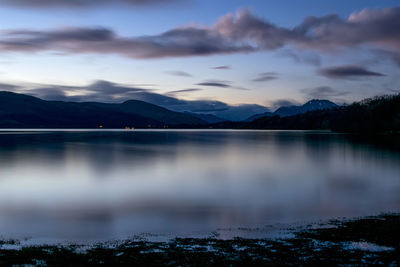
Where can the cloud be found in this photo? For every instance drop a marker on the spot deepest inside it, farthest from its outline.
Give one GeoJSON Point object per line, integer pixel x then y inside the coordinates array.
{"type": "Point", "coordinates": [179, 42]}
{"type": "Point", "coordinates": [323, 92]}
{"type": "Point", "coordinates": [242, 32]}
{"type": "Point", "coordinates": [184, 91]}
{"type": "Point", "coordinates": [108, 92]}
{"type": "Point", "coordinates": [245, 27]}
{"type": "Point", "coordinates": [179, 73]}
{"type": "Point", "coordinates": [222, 84]}
{"type": "Point", "coordinates": [275, 104]}
{"type": "Point", "coordinates": [8, 87]}
{"type": "Point", "coordinates": [213, 83]}
{"type": "Point", "coordinates": [284, 103]}
{"type": "Point", "coordinates": [348, 71]}
{"type": "Point", "coordinates": [78, 3]}
{"type": "Point", "coordinates": [225, 67]}
{"type": "Point", "coordinates": [265, 77]}
{"type": "Point", "coordinates": [241, 88]}
{"type": "Point", "coordinates": [101, 91]}
{"type": "Point", "coordinates": [377, 27]}
{"type": "Point", "coordinates": [327, 33]}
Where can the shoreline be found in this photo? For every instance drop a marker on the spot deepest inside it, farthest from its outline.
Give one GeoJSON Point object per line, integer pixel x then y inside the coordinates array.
{"type": "Point", "coordinates": [361, 241]}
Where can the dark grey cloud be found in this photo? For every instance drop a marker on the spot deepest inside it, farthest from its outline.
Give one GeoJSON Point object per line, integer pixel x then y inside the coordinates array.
{"type": "Point", "coordinates": [224, 67]}
{"type": "Point", "coordinates": [184, 91]}
{"type": "Point", "coordinates": [323, 92]}
{"type": "Point", "coordinates": [108, 92]}
{"type": "Point", "coordinates": [179, 73]}
{"type": "Point", "coordinates": [101, 91]}
{"type": "Point", "coordinates": [8, 87]}
{"type": "Point", "coordinates": [240, 33]}
{"type": "Point", "coordinates": [78, 3]}
{"type": "Point", "coordinates": [212, 83]}
{"type": "Point", "coordinates": [222, 84]}
{"type": "Point", "coordinates": [283, 103]}
{"type": "Point", "coordinates": [266, 77]}
{"type": "Point", "coordinates": [348, 71]}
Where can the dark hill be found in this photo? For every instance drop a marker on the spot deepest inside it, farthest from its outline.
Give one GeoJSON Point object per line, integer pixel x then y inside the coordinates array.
{"type": "Point", "coordinates": [209, 118]}
{"type": "Point", "coordinates": [377, 115]}
{"type": "Point", "coordinates": [311, 105]}
{"type": "Point", "coordinates": [22, 111]}
{"type": "Point", "coordinates": [285, 111]}
{"type": "Point", "coordinates": [254, 117]}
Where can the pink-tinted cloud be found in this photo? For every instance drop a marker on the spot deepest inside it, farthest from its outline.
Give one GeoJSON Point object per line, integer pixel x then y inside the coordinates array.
{"type": "Point", "coordinates": [178, 42]}
{"type": "Point", "coordinates": [240, 33]}
{"type": "Point", "coordinates": [367, 27]}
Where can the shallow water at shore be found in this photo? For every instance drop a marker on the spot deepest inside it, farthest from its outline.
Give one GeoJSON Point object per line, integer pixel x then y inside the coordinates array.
{"type": "Point", "coordinates": [362, 242]}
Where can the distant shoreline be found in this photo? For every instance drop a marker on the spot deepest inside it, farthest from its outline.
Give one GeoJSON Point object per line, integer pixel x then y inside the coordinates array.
{"type": "Point", "coordinates": [370, 116]}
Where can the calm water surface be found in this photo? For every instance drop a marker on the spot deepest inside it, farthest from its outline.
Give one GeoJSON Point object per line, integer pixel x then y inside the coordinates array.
{"type": "Point", "coordinates": [99, 185]}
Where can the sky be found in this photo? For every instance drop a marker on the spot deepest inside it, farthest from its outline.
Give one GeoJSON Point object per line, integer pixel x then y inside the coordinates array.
{"type": "Point", "coordinates": [268, 52]}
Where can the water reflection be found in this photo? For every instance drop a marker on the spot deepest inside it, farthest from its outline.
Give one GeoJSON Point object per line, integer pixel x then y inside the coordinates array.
{"type": "Point", "coordinates": [102, 185]}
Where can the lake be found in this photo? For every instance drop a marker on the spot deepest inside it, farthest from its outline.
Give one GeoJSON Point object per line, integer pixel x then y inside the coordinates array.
{"type": "Point", "coordinates": [83, 185]}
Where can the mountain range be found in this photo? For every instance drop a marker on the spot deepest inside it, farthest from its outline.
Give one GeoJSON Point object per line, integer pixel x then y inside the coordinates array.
{"type": "Point", "coordinates": [205, 109]}
{"type": "Point", "coordinates": [287, 111]}
{"type": "Point", "coordinates": [22, 111]}
{"type": "Point", "coordinates": [209, 118]}
{"type": "Point", "coordinates": [108, 92]}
